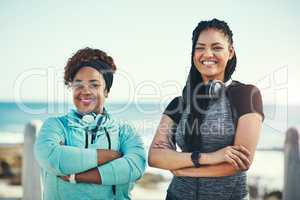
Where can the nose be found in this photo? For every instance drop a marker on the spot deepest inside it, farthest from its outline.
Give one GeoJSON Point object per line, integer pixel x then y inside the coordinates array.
{"type": "Point", "coordinates": [86, 89]}
{"type": "Point", "coordinates": [207, 52]}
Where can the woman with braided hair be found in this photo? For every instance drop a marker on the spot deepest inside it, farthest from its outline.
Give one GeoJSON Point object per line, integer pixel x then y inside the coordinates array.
{"type": "Point", "coordinates": [87, 154]}
{"type": "Point", "coordinates": [207, 137]}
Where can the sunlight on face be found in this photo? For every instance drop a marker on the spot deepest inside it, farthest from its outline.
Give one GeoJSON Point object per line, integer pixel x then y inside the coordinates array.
{"type": "Point", "coordinates": [89, 90]}
{"type": "Point", "coordinates": [212, 52]}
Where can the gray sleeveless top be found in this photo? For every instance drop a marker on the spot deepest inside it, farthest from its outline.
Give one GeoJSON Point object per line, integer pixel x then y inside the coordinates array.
{"type": "Point", "coordinates": [217, 131]}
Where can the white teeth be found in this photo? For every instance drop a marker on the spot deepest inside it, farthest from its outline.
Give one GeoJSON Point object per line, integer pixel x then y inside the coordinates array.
{"type": "Point", "coordinates": [208, 62]}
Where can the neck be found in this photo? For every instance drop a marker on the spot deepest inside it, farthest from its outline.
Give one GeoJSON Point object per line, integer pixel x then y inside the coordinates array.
{"type": "Point", "coordinates": [98, 111]}
{"type": "Point", "coordinates": [208, 78]}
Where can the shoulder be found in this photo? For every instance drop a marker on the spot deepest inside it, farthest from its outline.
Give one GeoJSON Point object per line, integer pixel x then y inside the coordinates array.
{"type": "Point", "coordinates": [176, 101]}
{"type": "Point", "coordinates": [52, 121]}
{"type": "Point", "coordinates": [124, 125]}
{"type": "Point", "coordinates": [58, 122]}
{"type": "Point", "coordinates": [175, 109]}
{"type": "Point", "coordinates": [128, 135]}
{"type": "Point", "coordinates": [239, 87]}
{"type": "Point", "coordinates": [51, 127]}
{"type": "Point", "coordinates": [125, 128]}
{"type": "Point", "coordinates": [240, 91]}
{"type": "Point", "coordinates": [246, 98]}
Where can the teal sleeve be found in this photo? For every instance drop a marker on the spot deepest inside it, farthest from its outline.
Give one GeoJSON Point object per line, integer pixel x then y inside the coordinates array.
{"type": "Point", "coordinates": [131, 166]}
{"type": "Point", "coordinates": [60, 159]}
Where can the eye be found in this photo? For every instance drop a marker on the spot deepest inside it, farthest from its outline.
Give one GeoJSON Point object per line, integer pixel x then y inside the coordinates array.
{"type": "Point", "coordinates": [199, 48]}
{"type": "Point", "coordinates": [95, 85]}
{"type": "Point", "coordinates": [77, 86]}
{"type": "Point", "coordinates": [218, 48]}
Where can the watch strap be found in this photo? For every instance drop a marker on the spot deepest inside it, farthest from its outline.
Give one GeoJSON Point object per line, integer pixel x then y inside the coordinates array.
{"type": "Point", "coordinates": [195, 158]}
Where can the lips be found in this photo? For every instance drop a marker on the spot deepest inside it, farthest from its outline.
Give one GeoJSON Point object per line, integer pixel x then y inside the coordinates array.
{"type": "Point", "coordinates": [86, 101]}
{"type": "Point", "coordinates": [209, 62]}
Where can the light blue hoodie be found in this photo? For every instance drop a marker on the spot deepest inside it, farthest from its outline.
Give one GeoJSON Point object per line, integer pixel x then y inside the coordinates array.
{"type": "Point", "coordinates": [72, 157]}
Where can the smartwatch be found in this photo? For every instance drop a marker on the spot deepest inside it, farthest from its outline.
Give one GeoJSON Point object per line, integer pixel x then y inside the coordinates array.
{"type": "Point", "coordinates": [195, 157]}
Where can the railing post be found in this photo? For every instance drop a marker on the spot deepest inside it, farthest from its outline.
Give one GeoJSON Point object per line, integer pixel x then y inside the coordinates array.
{"type": "Point", "coordinates": [291, 189]}
{"type": "Point", "coordinates": [31, 181]}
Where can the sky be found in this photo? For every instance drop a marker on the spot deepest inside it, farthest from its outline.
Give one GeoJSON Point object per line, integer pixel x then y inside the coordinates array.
{"type": "Point", "coordinates": [150, 42]}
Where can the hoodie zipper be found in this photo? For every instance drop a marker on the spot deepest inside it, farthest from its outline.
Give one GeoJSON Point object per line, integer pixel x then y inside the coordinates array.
{"type": "Point", "coordinates": [86, 139]}
{"type": "Point", "coordinates": [93, 133]}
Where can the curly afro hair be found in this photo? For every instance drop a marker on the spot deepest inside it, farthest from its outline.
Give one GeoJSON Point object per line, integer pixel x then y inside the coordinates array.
{"type": "Point", "coordinates": [85, 55]}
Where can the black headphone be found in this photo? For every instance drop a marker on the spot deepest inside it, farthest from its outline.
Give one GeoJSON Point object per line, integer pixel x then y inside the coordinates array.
{"type": "Point", "coordinates": [214, 88]}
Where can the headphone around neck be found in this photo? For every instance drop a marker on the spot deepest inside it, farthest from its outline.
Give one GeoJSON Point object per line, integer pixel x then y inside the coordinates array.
{"type": "Point", "coordinates": [214, 88]}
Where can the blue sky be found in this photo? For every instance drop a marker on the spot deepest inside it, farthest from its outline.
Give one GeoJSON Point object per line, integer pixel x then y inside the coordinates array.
{"type": "Point", "coordinates": [150, 42]}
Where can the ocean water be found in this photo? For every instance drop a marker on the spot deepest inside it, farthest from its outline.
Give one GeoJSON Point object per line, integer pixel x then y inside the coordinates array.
{"type": "Point", "coordinates": [145, 118]}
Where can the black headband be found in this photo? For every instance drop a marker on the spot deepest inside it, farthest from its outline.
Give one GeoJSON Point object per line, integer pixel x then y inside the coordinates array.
{"type": "Point", "coordinates": [101, 67]}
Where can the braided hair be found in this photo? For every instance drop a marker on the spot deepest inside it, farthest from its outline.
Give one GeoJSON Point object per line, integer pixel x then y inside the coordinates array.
{"type": "Point", "coordinates": [194, 86]}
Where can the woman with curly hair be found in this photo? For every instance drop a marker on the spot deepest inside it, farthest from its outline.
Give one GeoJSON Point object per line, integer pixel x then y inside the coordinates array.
{"type": "Point", "coordinates": [215, 124]}
{"type": "Point", "coordinates": [87, 154]}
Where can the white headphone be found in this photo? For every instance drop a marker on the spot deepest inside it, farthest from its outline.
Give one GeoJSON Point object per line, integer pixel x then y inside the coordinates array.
{"type": "Point", "coordinates": [88, 118]}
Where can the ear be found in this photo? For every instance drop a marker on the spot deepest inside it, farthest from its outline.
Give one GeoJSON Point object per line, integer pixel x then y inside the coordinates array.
{"type": "Point", "coordinates": [231, 52]}
{"type": "Point", "coordinates": [105, 93]}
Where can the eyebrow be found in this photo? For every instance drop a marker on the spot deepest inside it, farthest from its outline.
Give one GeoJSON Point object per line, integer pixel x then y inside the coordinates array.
{"type": "Point", "coordinates": [91, 81]}
{"type": "Point", "coordinates": [216, 43]}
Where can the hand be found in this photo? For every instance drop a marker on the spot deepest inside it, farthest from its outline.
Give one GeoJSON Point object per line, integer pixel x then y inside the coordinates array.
{"type": "Point", "coordinates": [175, 172]}
{"type": "Point", "coordinates": [189, 172]}
{"type": "Point", "coordinates": [65, 178]}
{"type": "Point", "coordinates": [105, 155]}
{"type": "Point", "coordinates": [238, 156]}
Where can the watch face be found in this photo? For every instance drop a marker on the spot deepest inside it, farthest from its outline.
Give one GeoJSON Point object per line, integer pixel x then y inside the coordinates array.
{"type": "Point", "coordinates": [195, 158]}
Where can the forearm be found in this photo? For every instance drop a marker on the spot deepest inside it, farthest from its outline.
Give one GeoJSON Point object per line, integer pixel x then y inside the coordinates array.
{"type": "Point", "coordinates": [219, 170]}
{"type": "Point", "coordinates": [116, 172]}
{"type": "Point", "coordinates": [91, 176]}
{"type": "Point", "coordinates": [56, 158]}
{"type": "Point", "coordinates": [105, 155]}
{"type": "Point", "coordinates": [65, 160]}
{"type": "Point", "coordinates": [171, 160]}
{"type": "Point", "coordinates": [131, 166]}
{"type": "Point", "coordinates": [127, 169]}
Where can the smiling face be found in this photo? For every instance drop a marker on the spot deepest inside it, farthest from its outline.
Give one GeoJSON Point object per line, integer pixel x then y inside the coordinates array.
{"type": "Point", "coordinates": [212, 52]}
{"type": "Point", "coordinates": [89, 90]}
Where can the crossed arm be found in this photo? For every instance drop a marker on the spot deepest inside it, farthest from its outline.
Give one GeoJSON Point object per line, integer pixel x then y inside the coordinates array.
{"type": "Point", "coordinates": [90, 165]}
{"type": "Point", "coordinates": [224, 162]}
{"type": "Point", "coordinates": [93, 175]}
